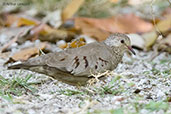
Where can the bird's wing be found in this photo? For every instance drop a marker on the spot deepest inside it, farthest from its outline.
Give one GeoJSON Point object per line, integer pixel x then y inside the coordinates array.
{"type": "Point", "coordinates": [81, 61]}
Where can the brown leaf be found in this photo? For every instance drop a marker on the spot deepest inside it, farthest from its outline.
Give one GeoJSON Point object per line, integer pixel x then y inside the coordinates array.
{"type": "Point", "coordinates": [26, 22]}
{"type": "Point", "coordinates": [14, 33]}
{"type": "Point", "coordinates": [77, 43]}
{"type": "Point", "coordinates": [137, 41]}
{"type": "Point", "coordinates": [90, 30]}
{"type": "Point", "coordinates": [10, 19]}
{"type": "Point", "coordinates": [128, 23]}
{"type": "Point", "coordinates": [5, 55]}
{"type": "Point", "coordinates": [165, 24]}
{"type": "Point", "coordinates": [11, 42]}
{"type": "Point", "coordinates": [166, 12]}
{"type": "Point", "coordinates": [150, 39]}
{"type": "Point", "coordinates": [18, 20]}
{"type": "Point", "coordinates": [74, 44]}
{"type": "Point", "coordinates": [63, 45]}
{"type": "Point", "coordinates": [56, 35]}
{"type": "Point", "coordinates": [71, 9]}
{"type": "Point", "coordinates": [114, 1]}
{"type": "Point", "coordinates": [25, 54]}
{"type": "Point", "coordinates": [131, 23]}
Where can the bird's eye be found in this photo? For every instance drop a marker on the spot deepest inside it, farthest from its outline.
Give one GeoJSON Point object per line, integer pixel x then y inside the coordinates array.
{"type": "Point", "coordinates": [122, 41]}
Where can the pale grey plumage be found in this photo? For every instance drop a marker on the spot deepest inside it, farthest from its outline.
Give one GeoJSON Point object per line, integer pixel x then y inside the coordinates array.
{"type": "Point", "coordinates": [74, 66]}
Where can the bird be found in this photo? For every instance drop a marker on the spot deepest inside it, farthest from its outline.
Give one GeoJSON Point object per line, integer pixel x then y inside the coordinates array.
{"type": "Point", "coordinates": [75, 66]}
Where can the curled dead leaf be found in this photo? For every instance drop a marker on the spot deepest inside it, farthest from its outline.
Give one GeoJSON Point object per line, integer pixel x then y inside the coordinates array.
{"type": "Point", "coordinates": [25, 54]}
{"type": "Point", "coordinates": [26, 22]}
{"type": "Point", "coordinates": [137, 41]}
{"type": "Point", "coordinates": [150, 38]}
{"type": "Point", "coordinates": [71, 9]}
{"type": "Point", "coordinates": [101, 28]}
{"type": "Point", "coordinates": [164, 25]}
{"type": "Point", "coordinates": [14, 34]}
{"type": "Point", "coordinates": [14, 20]}
{"type": "Point", "coordinates": [89, 29]}
{"type": "Point", "coordinates": [74, 44]}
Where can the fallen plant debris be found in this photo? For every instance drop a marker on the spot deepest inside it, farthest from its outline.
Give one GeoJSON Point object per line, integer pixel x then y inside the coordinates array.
{"type": "Point", "coordinates": [128, 23]}
{"type": "Point", "coordinates": [25, 54]}
{"type": "Point", "coordinates": [73, 44]}
{"type": "Point", "coordinates": [139, 85]}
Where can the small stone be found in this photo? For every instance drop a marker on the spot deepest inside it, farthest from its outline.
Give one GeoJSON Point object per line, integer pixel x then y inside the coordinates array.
{"type": "Point", "coordinates": [149, 97]}
{"type": "Point", "coordinates": [137, 91]}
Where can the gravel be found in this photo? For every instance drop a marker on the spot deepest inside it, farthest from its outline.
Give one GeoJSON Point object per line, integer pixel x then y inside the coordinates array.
{"type": "Point", "coordinates": [140, 84]}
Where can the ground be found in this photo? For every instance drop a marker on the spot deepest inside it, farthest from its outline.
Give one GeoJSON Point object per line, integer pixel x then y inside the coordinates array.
{"type": "Point", "coordinates": [138, 85]}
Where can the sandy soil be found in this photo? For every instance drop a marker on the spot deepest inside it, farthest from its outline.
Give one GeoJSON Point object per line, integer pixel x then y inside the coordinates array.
{"type": "Point", "coordinates": [134, 85]}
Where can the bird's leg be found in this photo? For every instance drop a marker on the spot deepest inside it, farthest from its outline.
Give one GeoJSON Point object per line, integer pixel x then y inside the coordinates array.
{"type": "Point", "coordinates": [97, 75]}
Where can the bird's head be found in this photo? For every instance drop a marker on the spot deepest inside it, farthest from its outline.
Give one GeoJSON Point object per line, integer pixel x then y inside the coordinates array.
{"type": "Point", "coordinates": [119, 41]}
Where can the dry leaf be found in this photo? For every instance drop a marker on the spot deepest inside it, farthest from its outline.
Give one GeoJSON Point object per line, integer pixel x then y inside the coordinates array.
{"type": "Point", "coordinates": [87, 39]}
{"type": "Point", "coordinates": [5, 55]}
{"type": "Point", "coordinates": [62, 44]}
{"type": "Point", "coordinates": [18, 21]}
{"type": "Point", "coordinates": [10, 42]}
{"type": "Point", "coordinates": [131, 23]}
{"type": "Point", "coordinates": [165, 24]}
{"type": "Point", "coordinates": [150, 38]}
{"type": "Point", "coordinates": [25, 54]}
{"type": "Point", "coordinates": [90, 30]}
{"type": "Point", "coordinates": [53, 18]}
{"type": "Point", "coordinates": [9, 33]}
{"type": "Point", "coordinates": [100, 28]}
{"type": "Point", "coordinates": [77, 43]}
{"type": "Point", "coordinates": [10, 20]}
{"type": "Point", "coordinates": [166, 12]}
{"type": "Point", "coordinates": [114, 1]}
{"type": "Point", "coordinates": [57, 35]}
{"type": "Point", "coordinates": [137, 2]}
{"type": "Point", "coordinates": [128, 23]}
{"type": "Point", "coordinates": [71, 9]}
{"type": "Point", "coordinates": [137, 40]}
{"type": "Point", "coordinates": [47, 33]}
{"type": "Point", "coordinates": [26, 22]}
{"type": "Point", "coordinates": [74, 44]}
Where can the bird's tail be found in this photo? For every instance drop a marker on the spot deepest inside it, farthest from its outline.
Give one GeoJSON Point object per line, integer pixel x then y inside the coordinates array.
{"type": "Point", "coordinates": [18, 66]}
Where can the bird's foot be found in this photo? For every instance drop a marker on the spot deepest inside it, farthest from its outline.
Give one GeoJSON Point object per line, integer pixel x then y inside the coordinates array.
{"type": "Point", "coordinates": [96, 76]}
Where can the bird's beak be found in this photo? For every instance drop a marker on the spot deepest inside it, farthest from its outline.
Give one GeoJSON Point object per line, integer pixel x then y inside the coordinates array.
{"type": "Point", "coordinates": [130, 48]}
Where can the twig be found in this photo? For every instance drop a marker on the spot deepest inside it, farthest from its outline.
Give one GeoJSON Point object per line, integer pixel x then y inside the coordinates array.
{"type": "Point", "coordinates": [11, 42]}
{"type": "Point", "coordinates": [97, 76]}
{"type": "Point", "coordinates": [153, 17]}
{"type": "Point", "coordinates": [88, 105]}
{"type": "Point", "coordinates": [169, 2]}
{"type": "Point", "coordinates": [41, 52]}
{"type": "Point", "coordinates": [155, 53]}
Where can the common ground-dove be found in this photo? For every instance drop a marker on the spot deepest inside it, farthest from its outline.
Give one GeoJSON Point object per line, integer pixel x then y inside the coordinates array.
{"type": "Point", "coordinates": [76, 66]}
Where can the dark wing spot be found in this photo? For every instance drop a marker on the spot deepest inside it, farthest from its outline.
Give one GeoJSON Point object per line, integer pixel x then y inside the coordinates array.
{"type": "Point", "coordinates": [77, 65]}
{"type": "Point", "coordinates": [86, 62]}
{"type": "Point", "coordinates": [76, 61]}
{"type": "Point", "coordinates": [103, 60]}
{"type": "Point", "coordinates": [62, 59]}
{"type": "Point", "coordinates": [95, 66]}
